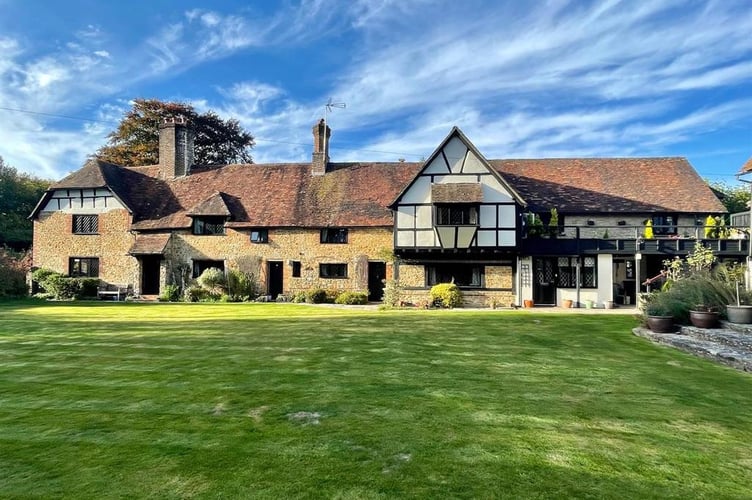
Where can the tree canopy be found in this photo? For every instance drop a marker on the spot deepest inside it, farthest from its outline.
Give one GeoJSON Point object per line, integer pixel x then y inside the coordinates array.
{"type": "Point", "coordinates": [19, 194]}
{"type": "Point", "coordinates": [136, 139]}
{"type": "Point", "coordinates": [735, 198]}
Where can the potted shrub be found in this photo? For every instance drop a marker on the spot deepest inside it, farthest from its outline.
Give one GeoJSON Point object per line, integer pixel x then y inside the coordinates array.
{"type": "Point", "coordinates": [703, 316]}
{"type": "Point", "coordinates": [659, 317]}
{"type": "Point", "coordinates": [738, 313]}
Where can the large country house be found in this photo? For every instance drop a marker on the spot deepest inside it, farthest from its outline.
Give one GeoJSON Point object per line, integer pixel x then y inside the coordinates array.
{"type": "Point", "coordinates": [486, 225]}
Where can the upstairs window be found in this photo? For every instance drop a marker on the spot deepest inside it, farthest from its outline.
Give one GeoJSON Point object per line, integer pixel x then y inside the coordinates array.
{"type": "Point", "coordinates": [333, 235]}
{"type": "Point", "coordinates": [296, 269]}
{"type": "Point", "coordinates": [208, 225]}
{"type": "Point", "coordinates": [83, 267]}
{"type": "Point", "coordinates": [664, 224]}
{"type": "Point", "coordinates": [456, 215]}
{"type": "Point", "coordinates": [85, 224]}
{"type": "Point", "coordinates": [260, 236]}
{"type": "Point", "coordinates": [332, 270]}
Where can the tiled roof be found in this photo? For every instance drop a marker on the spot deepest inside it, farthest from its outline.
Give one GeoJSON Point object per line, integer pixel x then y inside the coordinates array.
{"type": "Point", "coordinates": [273, 195]}
{"type": "Point", "coordinates": [463, 192]}
{"type": "Point", "coordinates": [610, 185]}
{"type": "Point", "coordinates": [149, 244]}
{"type": "Point", "coordinates": [213, 205]}
{"type": "Point", "coordinates": [747, 167]}
{"type": "Point", "coordinates": [358, 194]}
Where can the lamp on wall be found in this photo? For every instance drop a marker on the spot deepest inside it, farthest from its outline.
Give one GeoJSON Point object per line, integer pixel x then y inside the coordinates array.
{"type": "Point", "coordinates": [591, 222]}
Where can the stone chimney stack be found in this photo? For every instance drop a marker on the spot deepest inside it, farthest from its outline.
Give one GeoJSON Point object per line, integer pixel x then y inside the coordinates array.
{"type": "Point", "coordinates": [321, 134]}
{"type": "Point", "coordinates": [176, 138]}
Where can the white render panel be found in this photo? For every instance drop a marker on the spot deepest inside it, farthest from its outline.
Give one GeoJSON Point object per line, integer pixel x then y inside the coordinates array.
{"type": "Point", "coordinates": [70, 201]}
{"type": "Point", "coordinates": [487, 216]}
{"type": "Point", "coordinates": [486, 238]}
{"type": "Point", "coordinates": [446, 236]}
{"type": "Point", "coordinates": [405, 239]}
{"type": "Point", "coordinates": [473, 165]}
{"type": "Point", "coordinates": [605, 277]}
{"type": "Point", "coordinates": [455, 151]}
{"type": "Point", "coordinates": [507, 238]}
{"type": "Point", "coordinates": [455, 179]}
{"type": "Point", "coordinates": [419, 192]}
{"type": "Point", "coordinates": [465, 236]}
{"type": "Point", "coordinates": [425, 238]}
{"type": "Point", "coordinates": [493, 190]}
{"type": "Point", "coordinates": [507, 217]}
{"type": "Point", "coordinates": [405, 217]}
{"type": "Point", "coordinates": [437, 166]}
{"type": "Point", "coordinates": [423, 217]}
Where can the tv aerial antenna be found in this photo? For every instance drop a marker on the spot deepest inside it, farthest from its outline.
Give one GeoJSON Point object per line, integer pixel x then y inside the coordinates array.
{"type": "Point", "coordinates": [328, 107]}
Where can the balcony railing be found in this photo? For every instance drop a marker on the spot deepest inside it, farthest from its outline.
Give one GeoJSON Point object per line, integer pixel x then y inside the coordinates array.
{"type": "Point", "coordinates": [622, 239]}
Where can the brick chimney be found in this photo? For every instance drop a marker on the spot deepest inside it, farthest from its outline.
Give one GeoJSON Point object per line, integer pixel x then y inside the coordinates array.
{"type": "Point", "coordinates": [321, 134]}
{"type": "Point", "coordinates": [176, 137]}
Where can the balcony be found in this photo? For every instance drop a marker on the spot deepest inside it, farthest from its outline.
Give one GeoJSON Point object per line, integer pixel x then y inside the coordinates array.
{"type": "Point", "coordinates": [628, 240]}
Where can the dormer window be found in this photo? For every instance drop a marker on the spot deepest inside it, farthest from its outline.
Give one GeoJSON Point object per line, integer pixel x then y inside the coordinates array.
{"type": "Point", "coordinates": [260, 236]}
{"type": "Point", "coordinates": [209, 225]}
{"type": "Point", "coordinates": [456, 215]}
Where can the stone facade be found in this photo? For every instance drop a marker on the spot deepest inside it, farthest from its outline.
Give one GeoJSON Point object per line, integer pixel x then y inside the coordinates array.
{"type": "Point", "coordinates": [499, 290]}
{"type": "Point", "coordinates": [55, 244]}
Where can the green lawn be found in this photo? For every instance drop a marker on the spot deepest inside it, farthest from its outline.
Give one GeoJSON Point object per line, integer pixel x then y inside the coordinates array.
{"type": "Point", "coordinates": [289, 401]}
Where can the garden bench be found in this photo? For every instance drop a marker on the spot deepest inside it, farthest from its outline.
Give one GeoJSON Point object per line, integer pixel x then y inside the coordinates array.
{"type": "Point", "coordinates": [117, 292]}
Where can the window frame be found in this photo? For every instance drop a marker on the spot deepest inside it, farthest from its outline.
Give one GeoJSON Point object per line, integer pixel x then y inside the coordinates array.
{"type": "Point", "coordinates": [569, 271]}
{"type": "Point", "coordinates": [78, 220]}
{"type": "Point", "coordinates": [448, 214]}
{"type": "Point", "coordinates": [448, 273]}
{"type": "Point", "coordinates": [262, 235]}
{"type": "Point", "coordinates": [201, 226]}
{"type": "Point", "coordinates": [75, 265]}
{"type": "Point", "coordinates": [334, 236]}
{"type": "Point", "coordinates": [330, 266]}
{"type": "Point", "coordinates": [663, 228]}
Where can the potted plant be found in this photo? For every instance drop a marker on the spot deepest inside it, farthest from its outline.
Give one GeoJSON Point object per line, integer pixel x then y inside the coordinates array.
{"type": "Point", "coordinates": [741, 314]}
{"type": "Point", "coordinates": [703, 316]}
{"type": "Point", "coordinates": [659, 317]}
{"type": "Point", "coordinates": [566, 303]}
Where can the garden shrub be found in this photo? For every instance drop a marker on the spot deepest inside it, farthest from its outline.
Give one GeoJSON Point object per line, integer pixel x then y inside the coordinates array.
{"type": "Point", "coordinates": [392, 293]}
{"type": "Point", "coordinates": [352, 298]}
{"type": "Point", "coordinates": [171, 293]}
{"type": "Point", "coordinates": [13, 268]}
{"type": "Point", "coordinates": [87, 287]}
{"type": "Point", "coordinates": [242, 286]}
{"type": "Point", "coordinates": [213, 280]}
{"type": "Point", "coordinates": [61, 287]}
{"type": "Point", "coordinates": [446, 295]}
{"type": "Point", "coordinates": [298, 297]}
{"type": "Point", "coordinates": [316, 296]}
{"type": "Point", "coordinates": [196, 293]}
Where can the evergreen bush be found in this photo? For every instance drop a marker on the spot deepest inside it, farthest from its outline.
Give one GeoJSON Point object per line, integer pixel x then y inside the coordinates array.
{"type": "Point", "coordinates": [352, 298]}
{"type": "Point", "coordinates": [446, 295]}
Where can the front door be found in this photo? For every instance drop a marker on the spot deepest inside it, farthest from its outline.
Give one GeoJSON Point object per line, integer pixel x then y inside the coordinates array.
{"type": "Point", "coordinates": [150, 274]}
{"type": "Point", "coordinates": [376, 277]}
{"type": "Point", "coordinates": [274, 278]}
{"type": "Point", "coordinates": [544, 285]}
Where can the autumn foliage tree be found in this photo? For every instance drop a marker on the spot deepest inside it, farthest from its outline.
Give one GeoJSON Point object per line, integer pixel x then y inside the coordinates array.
{"type": "Point", "coordinates": [136, 139]}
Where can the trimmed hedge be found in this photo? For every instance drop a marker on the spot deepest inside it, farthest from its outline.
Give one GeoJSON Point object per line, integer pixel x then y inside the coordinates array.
{"type": "Point", "coordinates": [352, 298]}
{"type": "Point", "coordinates": [446, 295]}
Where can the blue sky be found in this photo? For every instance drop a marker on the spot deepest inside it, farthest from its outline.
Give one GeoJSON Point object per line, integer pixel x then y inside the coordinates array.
{"type": "Point", "coordinates": [549, 78]}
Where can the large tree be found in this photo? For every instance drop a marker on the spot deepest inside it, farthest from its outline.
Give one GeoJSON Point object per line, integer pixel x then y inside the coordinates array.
{"type": "Point", "coordinates": [136, 139]}
{"type": "Point", "coordinates": [19, 194]}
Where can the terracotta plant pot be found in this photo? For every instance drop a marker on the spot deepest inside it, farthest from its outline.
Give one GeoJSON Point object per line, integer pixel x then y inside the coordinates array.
{"type": "Point", "coordinates": [661, 324]}
{"type": "Point", "coordinates": [566, 303]}
{"type": "Point", "coordinates": [528, 303]}
{"type": "Point", "coordinates": [739, 314]}
{"type": "Point", "coordinates": [703, 319]}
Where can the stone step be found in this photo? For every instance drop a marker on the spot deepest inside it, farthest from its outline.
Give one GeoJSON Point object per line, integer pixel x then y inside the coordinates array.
{"type": "Point", "coordinates": [735, 357]}
{"type": "Point", "coordinates": [724, 336]}
{"type": "Point", "coordinates": [737, 327]}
